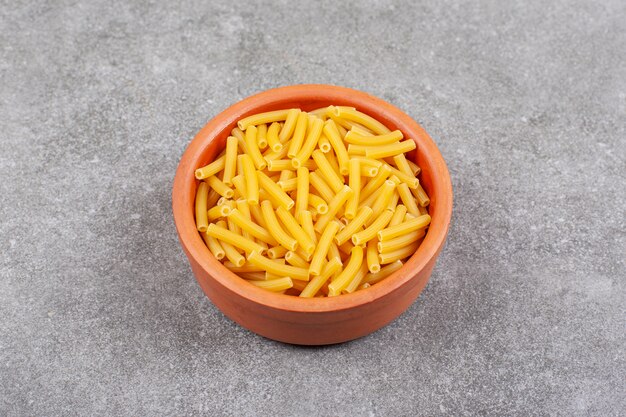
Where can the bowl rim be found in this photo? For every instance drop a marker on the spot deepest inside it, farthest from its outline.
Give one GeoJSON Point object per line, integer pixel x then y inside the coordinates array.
{"type": "Point", "coordinates": [183, 193]}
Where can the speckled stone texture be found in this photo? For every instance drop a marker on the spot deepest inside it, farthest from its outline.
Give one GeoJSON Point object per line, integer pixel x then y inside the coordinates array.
{"type": "Point", "coordinates": [525, 311]}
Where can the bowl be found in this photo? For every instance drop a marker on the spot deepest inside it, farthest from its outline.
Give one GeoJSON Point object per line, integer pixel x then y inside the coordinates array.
{"type": "Point", "coordinates": [314, 321]}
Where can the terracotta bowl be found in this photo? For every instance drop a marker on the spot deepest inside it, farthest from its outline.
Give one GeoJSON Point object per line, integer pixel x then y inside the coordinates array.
{"type": "Point", "coordinates": [315, 321]}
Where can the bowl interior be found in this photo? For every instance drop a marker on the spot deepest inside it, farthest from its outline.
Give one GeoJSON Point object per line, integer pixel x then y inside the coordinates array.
{"type": "Point", "coordinates": [434, 178]}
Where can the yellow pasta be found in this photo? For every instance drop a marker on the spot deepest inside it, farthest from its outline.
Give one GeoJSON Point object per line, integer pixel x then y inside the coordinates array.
{"type": "Point", "coordinates": [398, 215]}
{"type": "Point", "coordinates": [334, 163]}
{"type": "Point", "coordinates": [302, 198]}
{"type": "Point", "coordinates": [267, 117]}
{"type": "Point", "coordinates": [272, 137]}
{"type": "Point", "coordinates": [398, 254]}
{"type": "Point", "coordinates": [361, 118]}
{"type": "Point", "coordinates": [400, 241]}
{"type": "Point", "coordinates": [375, 183]}
{"type": "Point", "coordinates": [354, 226]}
{"type": "Point", "coordinates": [316, 283]}
{"type": "Point", "coordinates": [384, 272]}
{"type": "Point", "coordinates": [289, 126]}
{"type": "Point", "coordinates": [230, 160]}
{"type": "Point", "coordinates": [275, 165]}
{"type": "Point", "coordinates": [296, 260]}
{"type": "Point", "coordinates": [328, 194]}
{"type": "Point", "coordinates": [404, 227]}
{"type": "Point", "coordinates": [256, 276]}
{"type": "Point", "coordinates": [320, 185]}
{"type": "Point", "coordinates": [305, 242]}
{"type": "Point", "coordinates": [252, 182]}
{"type": "Point", "coordinates": [412, 182]}
{"type": "Point", "coordinates": [421, 196]}
{"type": "Point", "coordinates": [323, 245]}
{"type": "Point", "coordinates": [324, 144]}
{"type": "Point", "coordinates": [356, 281]}
{"type": "Point", "coordinates": [202, 194]}
{"type": "Point", "coordinates": [211, 169]}
{"type": "Point", "coordinates": [372, 256]}
{"type": "Point", "coordinates": [414, 167]}
{"type": "Point", "coordinates": [275, 191]}
{"type": "Point", "coordinates": [212, 199]}
{"type": "Point", "coordinates": [333, 252]}
{"type": "Point", "coordinates": [275, 228]}
{"type": "Point", "coordinates": [275, 285]}
{"type": "Point", "coordinates": [309, 144]}
{"type": "Point", "coordinates": [355, 184]}
{"type": "Point", "coordinates": [253, 148]}
{"type": "Point", "coordinates": [403, 164]}
{"type": "Point", "coordinates": [407, 199]}
{"type": "Point", "coordinates": [326, 171]}
{"type": "Point", "coordinates": [355, 138]}
{"type": "Point", "coordinates": [216, 212]}
{"type": "Point", "coordinates": [381, 202]}
{"type": "Point", "coordinates": [318, 202]}
{"type": "Point", "coordinates": [348, 273]}
{"type": "Point", "coordinates": [275, 267]}
{"type": "Point", "coordinates": [254, 229]}
{"type": "Point", "coordinates": [261, 136]}
{"type": "Point", "coordinates": [285, 176]}
{"type": "Point", "coordinates": [244, 209]}
{"type": "Point", "coordinates": [333, 207]}
{"type": "Point", "coordinates": [289, 185]}
{"type": "Point", "coordinates": [276, 252]}
{"type": "Point", "coordinates": [392, 149]}
{"type": "Point", "coordinates": [225, 235]}
{"type": "Point", "coordinates": [371, 231]}
{"type": "Point", "coordinates": [219, 187]}
{"type": "Point", "coordinates": [306, 221]}
{"type": "Point", "coordinates": [298, 135]}
{"type": "Point", "coordinates": [271, 155]}
{"type": "Point", "coordinates": [332, 133]}
{"type": "Point", "coordinates": [214, 246]}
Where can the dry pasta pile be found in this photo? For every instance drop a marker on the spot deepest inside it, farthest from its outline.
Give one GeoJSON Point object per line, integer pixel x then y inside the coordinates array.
{"type": "Point", "coordinates": [312, 204]}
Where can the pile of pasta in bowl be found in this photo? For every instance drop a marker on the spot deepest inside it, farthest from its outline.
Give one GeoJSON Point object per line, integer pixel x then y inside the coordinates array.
{"type": "Point", "coordinates": [312, 204]}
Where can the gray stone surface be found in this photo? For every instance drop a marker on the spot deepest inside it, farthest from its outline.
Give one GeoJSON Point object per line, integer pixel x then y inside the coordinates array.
{"type": "Point", "coordinates": [525, 312]}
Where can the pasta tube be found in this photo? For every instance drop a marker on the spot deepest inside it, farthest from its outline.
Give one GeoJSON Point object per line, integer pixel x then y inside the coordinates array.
{"type": "Point", "coordinates": [267, 117]}
{"type": "Point", "coordinates": [384, 272]}
{"type": "Point", "coordinates": [211, 169]}
{"type": "Point", "coordinates": [274, 267]}
{"type": "Point", "coordinates": [289, 126]}
{"type": "Point", "coordinates": [298, 135]}
{"type": "Point", "coordinates": [354, 226]}
{"type": "Point", "coordinates": [252, 182]}
{"type": "Point", "coordinates": [253, 148]}
{"type": "Point", "coordinates": [316, 283]}
{"type": "Point", "coordinates": [202, 194]}
{"type": "Point", "coordinates": [400, 241]}
{"type": "Point", "coordinates": [398, 254]}
{"type": "Point", "coordinates": [275, 191]}
{"type": "Point", "coordinates": [225, 235]}
{"type": "Point", "coordinates": [372, 256]}
{"type": "Point", "coordinates": [230, 160]}
{"type": "Point", "coordinates": [404, 227]}
{"type": "Point", "coordinates": [322, 247]}
{"type": "Point", "coordinates": [275, 285]}
{"type": "Point", "coordinates": [333, 207]}
{"type": "Point", "coordinates": [348, 273]}
{"type": "Point", "coordinates": [295, 230]}
{"type": "Point", "coordinates": [370, 232]}
{"type": "Point", "coordinates": [272, 137]}
{"type": "Point", "coordinates": [332, 133]}
{"type": "Point", "coordinates": [355, 138]}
